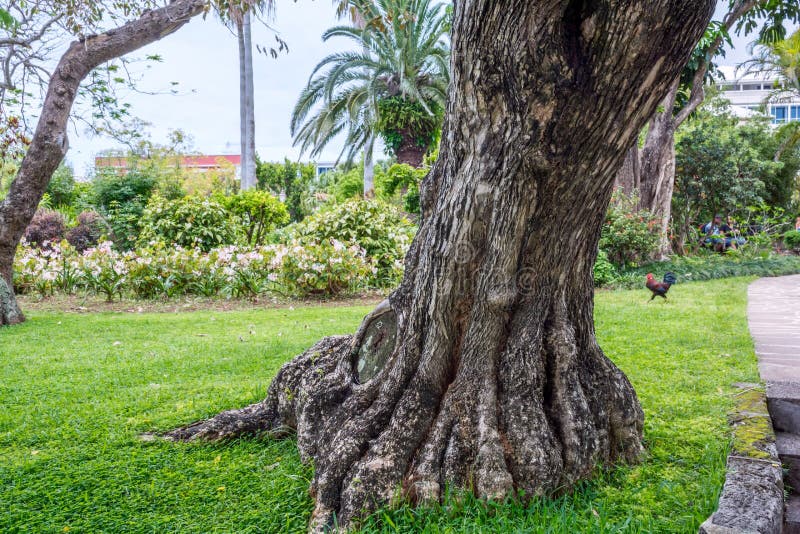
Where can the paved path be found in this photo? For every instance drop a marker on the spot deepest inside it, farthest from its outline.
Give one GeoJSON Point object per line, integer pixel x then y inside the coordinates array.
{"type": "Point", "coordinates": [773, 311]}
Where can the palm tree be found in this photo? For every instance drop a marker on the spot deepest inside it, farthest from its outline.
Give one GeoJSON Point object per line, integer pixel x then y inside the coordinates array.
{"type": "Point", "coordinates": [238, 14]}
{"type": "Point", "coordinates": [247, 118]}
{"type": "Point", "coordinates": [780, 60]}
{"type": "Point", "coordinates": [404, 55]}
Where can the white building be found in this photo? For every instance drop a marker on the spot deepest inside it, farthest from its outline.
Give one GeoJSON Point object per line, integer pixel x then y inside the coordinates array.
{"type": "Point", "coordinates": [748, 94]}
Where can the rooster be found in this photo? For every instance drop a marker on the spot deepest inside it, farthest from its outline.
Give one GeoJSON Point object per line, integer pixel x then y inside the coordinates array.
{"type": "Point", "coordinates": [660, 289]}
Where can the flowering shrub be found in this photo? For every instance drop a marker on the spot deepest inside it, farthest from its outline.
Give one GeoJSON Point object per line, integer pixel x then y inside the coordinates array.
{"type": "Point", "coordinates": [159, 271]}
{"type": "Point", "coordinates": [379, 228]}
{"type": "Point", "coordinates": [104, 270]}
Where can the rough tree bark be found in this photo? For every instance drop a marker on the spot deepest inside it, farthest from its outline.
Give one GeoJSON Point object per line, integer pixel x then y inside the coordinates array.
{"type": "Point", "coordinates": [481, 371]}
{"type": "Point", "coordinates": [655, 171]}
{"type": "Point", "coordinates": [49, 143]}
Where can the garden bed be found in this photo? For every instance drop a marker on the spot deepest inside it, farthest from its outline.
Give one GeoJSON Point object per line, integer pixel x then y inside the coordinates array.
{"type": "Point", "coordinates": [79, 388]}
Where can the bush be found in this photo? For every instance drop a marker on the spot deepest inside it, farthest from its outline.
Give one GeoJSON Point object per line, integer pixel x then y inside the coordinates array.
{"type": "Point", "coordinates": [134, 186]}
{"type": "Point", "coordinates": [126, 223]}
{"type": "Point", "coordinates": [379, 228]}
{"type": "Point", "coordinates": [122, 198]}
{"type": "Point", "coordinates": [163, 271]}
{"type": "Point", "coordinates": [711, 266]}
{"type": "Point", "coordinates": [46, 227]}
{"type": "Point", "coordinates": [87, 233]}
{"type": "Point", "coordinates": [791, 239]}
{"type": "Point", "coordinates": [258, 212]}
{"type": "Point", "coordinates": [401, 182]}
{"type": "Point", "coordinates": [346, 185]}
{"type": "Point", "coordinates": [604, 270]}
{"type": "Point", "coordinates": [61, 187]}
{"type": "Point", "coordinates": [629, 236]}
{"type": "Point", "coordinates": [191, 222]}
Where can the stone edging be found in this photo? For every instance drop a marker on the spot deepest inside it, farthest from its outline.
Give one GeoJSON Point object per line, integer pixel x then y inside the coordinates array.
{"type": "Point", "coordinates": [752, 498]}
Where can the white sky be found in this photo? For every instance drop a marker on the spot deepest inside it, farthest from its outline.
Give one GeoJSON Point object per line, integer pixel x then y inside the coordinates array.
{"type": "Point", "coordinates": [203, 57]}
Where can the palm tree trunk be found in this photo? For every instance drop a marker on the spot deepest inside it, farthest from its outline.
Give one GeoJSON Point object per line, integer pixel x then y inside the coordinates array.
{"type": "Point", "coordinates": [369, 168]}
{"type": "Point", "coordinates": [246, 104]}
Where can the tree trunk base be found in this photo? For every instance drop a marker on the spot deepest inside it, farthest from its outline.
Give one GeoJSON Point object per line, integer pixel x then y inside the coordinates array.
{"type": "Point", "coordinates": [9, 309]}
{"type": "Point", "coordinates": [534, 422]}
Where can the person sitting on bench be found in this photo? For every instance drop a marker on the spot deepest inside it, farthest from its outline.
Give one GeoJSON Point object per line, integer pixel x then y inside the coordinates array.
{"type": "Point", "coordinates": [720, 236]}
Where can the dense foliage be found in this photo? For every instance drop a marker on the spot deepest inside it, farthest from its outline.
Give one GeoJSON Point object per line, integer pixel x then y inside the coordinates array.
{"type": "Point", "coordinates": [294, 180]}
{"type": "Point", "coordinates": [791, 240]}
{"type": "Point", "coordinates": [378, 228]}
{"type": "Point", "coordinates": [401, 183]}
{"type": "Point", "coordinates": [629, 235]}
{"type": "Point", "coordinates": [402, 121]}
{"type": "Point", "coordinates": [192, 222]}
{"type": "Point", "coordinates": [257, 212]}
{"type": "Point", "coordinates": [721, 167]}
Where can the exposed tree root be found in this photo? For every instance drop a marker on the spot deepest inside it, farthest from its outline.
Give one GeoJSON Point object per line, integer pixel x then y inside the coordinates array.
{"type": "Point", "coordinates": [533, 417]}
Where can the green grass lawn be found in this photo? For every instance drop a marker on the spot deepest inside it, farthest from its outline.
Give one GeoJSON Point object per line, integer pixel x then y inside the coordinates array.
{"type": "Point", "coordinates": [77, 389]}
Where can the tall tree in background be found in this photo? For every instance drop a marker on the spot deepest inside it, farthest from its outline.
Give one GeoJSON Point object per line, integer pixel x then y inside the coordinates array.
{"type": "Point", "coordinates": [347, 8]}
{"type": "Point", "coordinates": [651, 169]}
{"type": "Point", "coordinates": [247, 124]}
{"type": "Point", "coordinates": [403, 54]}
{"type": "Point", "coordinates": [482, 371]}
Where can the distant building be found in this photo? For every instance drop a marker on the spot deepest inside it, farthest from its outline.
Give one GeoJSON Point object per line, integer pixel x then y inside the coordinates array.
{"type": "Point", "coordinates": [322, 167]}
{"type": "Point", "coordinates": [748, 94]}
{"type": "Point", "coordinates": [201, 163]}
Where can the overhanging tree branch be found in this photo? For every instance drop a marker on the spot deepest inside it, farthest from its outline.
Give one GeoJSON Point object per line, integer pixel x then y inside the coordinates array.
{"type": "Point", "coordinates": [49, 143]}
{"type": "Point", "coordinates": [697, 94]}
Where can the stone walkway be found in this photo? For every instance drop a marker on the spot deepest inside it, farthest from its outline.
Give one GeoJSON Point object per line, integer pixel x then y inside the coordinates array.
{"type": "Point", "coordinates": [773, 312]}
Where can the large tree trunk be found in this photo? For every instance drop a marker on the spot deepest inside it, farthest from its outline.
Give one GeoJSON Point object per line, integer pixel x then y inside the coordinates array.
{"type": "Point", "coordinates": [481, 371]}
{"type": "Point", "coordinates": [49, 143]}
{"type": "Point", "coordinates": [9, 309]}
{"type": "Point", "coordinates": [629, 176]}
